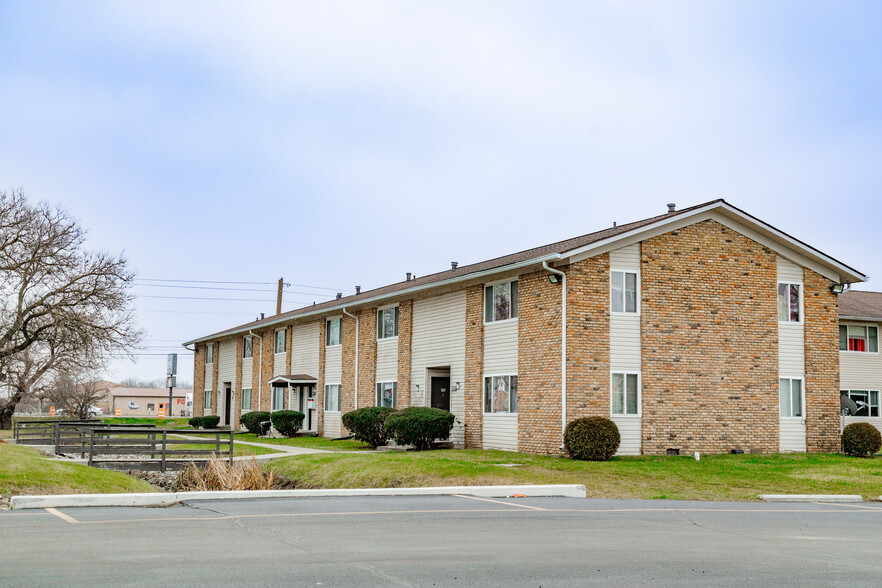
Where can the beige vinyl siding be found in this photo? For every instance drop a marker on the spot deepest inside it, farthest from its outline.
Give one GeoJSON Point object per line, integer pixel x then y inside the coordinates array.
{"type": "Point", "coordinates": [333, 423]}
{"type": "Point", "coordinates": [279, 364]}
{"type": "Point", "coordinates": [226, 369]}
{"type": "Point", "coordinates": [791, 358]}
{"type": "Point", "coordinates": [792, 434]}
{"type": "Point", "coordinates": [247, 369]}
{"type": "Point", "coordinates": [625, 345]}
{"type": "Point", "coordinates": [501, 347]}
{"type": "Point", "coordinates": [791, 349]}
{"type": "Point", "coordinates": [438, 341]}
{"type": "Point", "coordinates": [630, 430]}
{"type": "Point", "coordinates": [305, 349]}
{"type": "Point", "coordinates": [387, 360]}
{"type": "Point", "coordinates": [859, 370]}
{"type": "Point", "coordinates": [334, 364]}
{"type": "Point", "coordinates": [500, 431]}
{"type": "Point", "coordinates": [789, 272]}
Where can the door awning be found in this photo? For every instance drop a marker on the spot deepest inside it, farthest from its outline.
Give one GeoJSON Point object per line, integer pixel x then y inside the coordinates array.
{"type": "Point", "coordinates": [292, 379]}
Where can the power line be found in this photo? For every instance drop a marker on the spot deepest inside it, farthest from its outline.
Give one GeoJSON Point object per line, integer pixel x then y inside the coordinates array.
{"type": "Point", "coordinates": [215, 299]}
{"type": "Point", "coordinates": [198, 312]}
{"type": "Point", "coordinates": [228, 289]}
{"type": "Point", "coordinates": [241, 283]}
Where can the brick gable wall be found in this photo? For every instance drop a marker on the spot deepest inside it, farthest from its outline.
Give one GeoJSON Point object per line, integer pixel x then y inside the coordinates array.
{"type": "Point", "coordinates": [821, 363]}
{"type": "Point", "coordinates": [474, 367]}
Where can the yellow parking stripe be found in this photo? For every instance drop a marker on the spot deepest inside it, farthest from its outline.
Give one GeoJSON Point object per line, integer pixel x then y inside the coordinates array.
{"type": "Point", "coordinates": [497, 501]}
{"type": "Point", "coordinates": [62, 516]}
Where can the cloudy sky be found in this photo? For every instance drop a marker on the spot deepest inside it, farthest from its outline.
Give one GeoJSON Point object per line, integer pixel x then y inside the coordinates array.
{"type": "Point", "coordinates": [342, 143]}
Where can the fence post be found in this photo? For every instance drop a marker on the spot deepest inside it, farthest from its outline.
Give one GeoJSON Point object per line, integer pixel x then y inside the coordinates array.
{"type": "Point", "coordinates": [91, 445]}
{"type": "Point", "coordinates": [162, 466]}
{"type": "Point", "coordinates": [231, 446]}
{"type": "Point", "coordinates": [57, 435]}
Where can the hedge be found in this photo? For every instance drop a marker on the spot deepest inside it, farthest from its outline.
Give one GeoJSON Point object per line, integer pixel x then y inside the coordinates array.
{"type": "Point", "coordinates": [204, 422]}
{"type": "Point", "coordinates": [287, 422]}
{"type": "Point", "coordinates": [861, 439]}
{"type": "Point", "coordinates": [419, 426]}
{"type": "Point", "coordinates": [252, 421]}
{"type": "Point", "coordinates": [592, 439]}
{"type": "Point", "coordinates": [368, 424]}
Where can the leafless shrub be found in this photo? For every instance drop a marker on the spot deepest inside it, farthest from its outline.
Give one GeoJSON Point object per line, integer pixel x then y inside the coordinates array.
{"type": "Point", "coordinates": [218, 474]}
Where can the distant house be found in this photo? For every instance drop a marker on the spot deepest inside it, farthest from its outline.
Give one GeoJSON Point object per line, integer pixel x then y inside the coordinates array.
{"type": "Point", "coordinates": [860, 318]}
{"type": "Point", "coordinates": [144, 402]}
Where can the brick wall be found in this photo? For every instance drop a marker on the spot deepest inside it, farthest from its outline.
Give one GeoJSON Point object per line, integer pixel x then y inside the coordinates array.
{"type": "Point", "coordinates": [199, 380]}
{"type": "Point", "coordinates": [474, 367]}
{"type": "Point", "coordinates": [821, 363]}
{"type": "Point", "coordinates": [405, 338]}
{"type": "Point", "coordinates": [347, 378]}
{"type": "Point", "coordinates": [215, 405]}
{"type": "Point", "coordinates": [266, 370]}
{"type": "Point", "coordinates": [367, 356]}
{"type": "Point", "coordinates": [587, 339]}
{"type": "Point", "coordinates": [237, 386]}
{"type": "Point", "coordinates": [710, 342]}
{"type": "Point", "coordinates": [289, 333]}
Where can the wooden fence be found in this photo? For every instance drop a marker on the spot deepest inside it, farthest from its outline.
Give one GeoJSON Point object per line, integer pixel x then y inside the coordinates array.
{"type": "Point", "coordinates": [155, 449]}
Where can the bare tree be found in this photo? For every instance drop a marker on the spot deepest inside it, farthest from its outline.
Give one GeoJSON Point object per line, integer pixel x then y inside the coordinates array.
{"type": "Point", "coordinates": [75, 393]}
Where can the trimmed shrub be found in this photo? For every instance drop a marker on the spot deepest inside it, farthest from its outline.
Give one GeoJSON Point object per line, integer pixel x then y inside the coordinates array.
{"type": "Point", "coordinates": [287, 422]}
{"type": "Point", "coordinates": [592, 439]}
{"type": "Point", "coordinates": [210, 422]}
{"type": "Point", "coordinates": [861, 439]}
{"type": "Point", "coordinates": [195, 422]}
{"type": "Point", "coordinates": [368, 424]}
{"type": "Point", "coordinates": [419, 426]}
{"type": "Point", "coordinates": [252, 421]}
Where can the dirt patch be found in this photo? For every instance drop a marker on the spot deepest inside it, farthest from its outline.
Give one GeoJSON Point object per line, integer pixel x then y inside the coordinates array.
{"type": "Point", "coordinates": [163, 481]}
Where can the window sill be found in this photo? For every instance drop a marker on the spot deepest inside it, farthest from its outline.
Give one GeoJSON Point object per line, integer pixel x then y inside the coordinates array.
{"type": "Point", "coordinates": [626, 416]}
{"type": "Point", "coordinates": [795, 323]}
{"type": "Point", "coordinates": [381, 339]}
{"type": "Point", "coordinates": [859, 352]}
{"type": "Point", "coordinates": [799, 418]}
{"type": "Point", "coordinates": [623, 313]}
{"type": "Point", "coordinates": [511, 320]}
{"type": "Point", "coordinates": [332, 346]}
{"type": "Point", "coordinates": [500, 414]}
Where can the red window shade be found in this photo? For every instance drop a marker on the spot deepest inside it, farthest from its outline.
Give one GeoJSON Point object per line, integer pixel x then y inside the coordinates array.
{"type": "Point", "coordinates": [857, 345]}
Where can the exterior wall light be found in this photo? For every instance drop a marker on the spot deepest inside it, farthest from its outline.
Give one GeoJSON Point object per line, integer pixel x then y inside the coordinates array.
{"type": "Point", "coordinates": [839, 288]}
{"type": "Point", "coordinates": [554, 278]}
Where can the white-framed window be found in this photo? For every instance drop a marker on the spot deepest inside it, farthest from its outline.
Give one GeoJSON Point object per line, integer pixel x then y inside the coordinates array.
{"type": "Point", "coordinates": [332, 397]}
{"type": "Point", "coordinates": [859, 338]}
{"type": "Point", "coordinates": [209, 353]}
{"type": "Point", "coordinates": [791, 396]}
{"type": "Point", "coordinates": [789, 302]}
{"type": "Point", "coordinates": [278, 398]}
{"type": "Point", "coordinates": [246, 399]}
{"type": "Point", "coordinates": [206, 402]}
{"type": "Point", "coordinates": [624, 287]}
{"type": "Point", "coordinates": [387, 394]}
{"type": "Point", "coordinates": [501, 394]}
{"type": "Point", "coordinates": [867, 402]}
{"type": "Point", "coordinates": [280, 341]}
{"type": "Point", "coordinates": [333, 334]}
{"type": "Point", "coordinates": [247, 347]}
{"type": "Point", "coordinates": [501, 301]}
{"type": "Point", "coordinates": [387, 322]}
{"type": "Point", "coordinates": [625, 394]}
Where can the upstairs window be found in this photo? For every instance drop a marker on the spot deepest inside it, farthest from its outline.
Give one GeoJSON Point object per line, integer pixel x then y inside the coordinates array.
{"type": "Point", "coordinates": [247, 347]}
{"type": "Point", "coordinates": [387, 394]}
{"type": "Point", "coordinates": [857, 338]}
{"type": "Point", "coordinates": [623, 291]}
{"type": "Point", "coordinates": [501, 302]}
{"type": "Point", "coordinates": [501, 394]}
{"type": "Point", "coordinates": [790, 390]}
{"type": "Point", "coordinates": [387, 323]}
{"type": "Point", "coordinates": [867, 402]}
{"type": "Point", "coordinates": [788, 303]}
{"type": "Point", "coordinates": [332, 332]}
{"type": "Point", "coordinates": [209, 353]}
{"type": "Point", "coordinates": [279, 342]}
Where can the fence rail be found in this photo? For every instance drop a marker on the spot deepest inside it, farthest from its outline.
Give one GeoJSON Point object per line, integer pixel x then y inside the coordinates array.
{"type": "Point", "coordinates": [155, 448]}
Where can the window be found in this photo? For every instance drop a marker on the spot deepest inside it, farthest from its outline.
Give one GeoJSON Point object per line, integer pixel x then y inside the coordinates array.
{"type": "Point", "coordinates": [209, 353]}
{"type": "Point", "coordinates": [246, 398]}
{"type": "Point", "coordinates": [206, 403]}
{"type": "Point", "coordinates": [279, 341]}
{"type": "Point", "coordinates": [332, 396]}
{"type": "Point", "coordinates": [501, 302]}
{"type": "Point", "coordinates": [332, 332]}
{"type": "Point", "coordinates": [790, 390]}
{"type": "Point", "coordinates": [387, 323]}
{"type": "Point", "coordinates": [247, 347]}
{"type": "Point", "coordinates": [855, 338]}
{"type": "Point", "coordinates": [867, 402]}
{"type": "Point", "coordinates": [625, 399]}
{"type": "Point", "coordinates": [278, 399]}
{"type": "Point", "coordinates": [387, 394]}
{"type": "Point", "coordinates": [500, 394]}
{"type": "Point", "coordinates": [623, 291]}
{"type": "Point", "coordinates": [788, 303]}
{"type": "Point", "coordinates": [150, 407]}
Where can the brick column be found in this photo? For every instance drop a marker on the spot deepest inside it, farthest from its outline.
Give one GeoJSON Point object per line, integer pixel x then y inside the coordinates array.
{"type": "Point", "coordinates": [199, 380]}
{"type": "Point", "coordinates": [474, 367]}
{"type": "Point", "coordinates": [347, 378]}
{"type": "Point", "coordinates": [320, 383]}
{"type": "Point", "coordinates": [405, 339]}
{"type": "Point", "coordinates": [215, 364]}
{"type": "Point", "coordinates": [266, 370]}
{"type": "Point", "coordinates": [821, 363]}
{"type": "Point", "coordinates": [588, 376]}
{"type": "Point", "coordinates": [367, 357]}
{"type": "Point", "coordinates": [237, 385]}
{"type": "Point", "coordinates": [289, 332]}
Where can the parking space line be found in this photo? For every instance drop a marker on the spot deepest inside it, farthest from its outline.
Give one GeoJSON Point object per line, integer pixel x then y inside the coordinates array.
{"type": "Point", "coordinates": [867, 507]}
{"type": "Point", "coordinates": [62, 516]}
{"type": "Point", "coordinates": [498, 501]}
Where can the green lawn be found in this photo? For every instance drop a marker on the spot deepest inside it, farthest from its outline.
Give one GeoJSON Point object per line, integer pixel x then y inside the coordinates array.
{"type": "Point", "coordinates": [170, 423]}
{"type": "Point", "coordinates": [24, 470]}
{"type": "Point", "coordinates": [308, 442]}
{"type": "Point", "coordinates": [717, 477]}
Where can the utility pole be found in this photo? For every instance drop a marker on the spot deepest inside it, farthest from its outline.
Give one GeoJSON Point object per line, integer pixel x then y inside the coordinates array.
{"type": "Point", "coordinates": [279, 297]}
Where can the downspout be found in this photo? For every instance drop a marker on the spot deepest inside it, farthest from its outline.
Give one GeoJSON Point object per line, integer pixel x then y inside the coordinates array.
{"type": "Point", "coordinates": [563, 347]}
{"type": "Point", "coordinates": [259, 366]}
{"type": "Point", "coordinates": [346, 312]}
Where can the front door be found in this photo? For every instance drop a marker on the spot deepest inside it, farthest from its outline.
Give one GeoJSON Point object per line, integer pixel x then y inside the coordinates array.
{"type": "Point", "coordinates": [441, 393]}
{"type": "Point", "coordinates": [228, 399]}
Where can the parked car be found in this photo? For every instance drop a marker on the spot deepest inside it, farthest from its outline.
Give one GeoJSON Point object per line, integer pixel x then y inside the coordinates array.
{"type": "Point", "coordinates": [133, 405]}
{"type": "Point", "coordinates": [95, 411]}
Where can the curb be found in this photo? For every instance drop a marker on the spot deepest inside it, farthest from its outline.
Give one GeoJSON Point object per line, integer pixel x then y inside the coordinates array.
{"type": "Point", "coordinates": [169, 498]}
{"type": "Point", "coordinates": [812, 497]}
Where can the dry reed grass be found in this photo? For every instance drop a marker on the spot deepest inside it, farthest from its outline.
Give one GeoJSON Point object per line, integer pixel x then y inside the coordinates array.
{"type": "Point", "coordinates": [220, 475]}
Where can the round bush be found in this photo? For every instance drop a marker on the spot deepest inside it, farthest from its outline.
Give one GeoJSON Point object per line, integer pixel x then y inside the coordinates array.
{"type": "Point", "coordinates": [210, 422]}
{"type": "Point", "coordinates": [287, 422]}
{"type": "Point", "coordinates": [419, 426]}
{"type": "Point", "coordinates": [861, 439]}
{"type": "Point", "coordinates": [592, 439]}
{"type": "Point", "coordinates": [368, 424]}
{"type": "Point", "coordinates": [195, 422]}
{"type": "Point", "coordinates": [251, 421]}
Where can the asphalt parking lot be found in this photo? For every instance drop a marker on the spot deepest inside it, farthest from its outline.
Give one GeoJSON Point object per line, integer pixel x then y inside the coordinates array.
{"type": "Point", "coordinates": [444, 541]}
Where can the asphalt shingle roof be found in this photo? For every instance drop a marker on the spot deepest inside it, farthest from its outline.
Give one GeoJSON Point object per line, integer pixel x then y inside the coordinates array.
{"type": "Point", "coordinates": [861, 304]}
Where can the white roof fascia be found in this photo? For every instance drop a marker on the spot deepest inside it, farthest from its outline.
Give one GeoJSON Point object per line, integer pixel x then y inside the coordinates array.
{"type": "Point", "coordinates": [390, 295]}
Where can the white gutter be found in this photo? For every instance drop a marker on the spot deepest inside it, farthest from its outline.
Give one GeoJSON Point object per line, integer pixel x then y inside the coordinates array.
{"type": "Point", "coordinates": [391, 295]}
{"type": "Point", "coordinates": [356, 353]}
{"type": "Point", "coordinates": [563, 350]}
{"type": "Point", "coordinates": [259, 365]}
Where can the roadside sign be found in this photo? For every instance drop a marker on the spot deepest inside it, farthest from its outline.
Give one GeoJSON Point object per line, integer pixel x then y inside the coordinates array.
{"type": "Point", "coordinates": [172, 364]}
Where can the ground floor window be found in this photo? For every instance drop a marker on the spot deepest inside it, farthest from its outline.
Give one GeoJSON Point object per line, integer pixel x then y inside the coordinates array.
{"type": "Point", "coordinates": [790, 391]}
{"type": "Point", "coordinates": [387, 394]}
{"type": "Point", "coordinates": [278, 398]}
{"type": "Point", "coordinates": [150, 407]}
{"type": "Point", "coordinates": [625, 394]}
{"type": "Point", "coordinates": [501, 394]}
{"type": "Point", "coordinates": [206, 403]}
{"type": "Point", "coordinates": [867, 402]}
{"type": "Point", "coordinates": [332, 397]}
{"type": "Point", "coordinates": [246, 398]}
